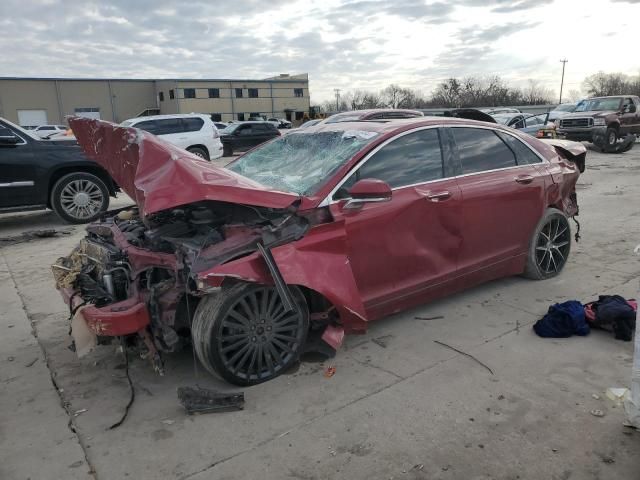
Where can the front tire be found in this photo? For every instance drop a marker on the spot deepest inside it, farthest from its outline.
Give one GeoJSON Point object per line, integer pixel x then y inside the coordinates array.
{"type": "Point", "coordinates": [79, 197]}
{"type": "Point", "coordinates": [611, 137]}
{"type": "Point", "coordinates": [244, 335]}
{"type": "Point", "coordinates": [549, 247]}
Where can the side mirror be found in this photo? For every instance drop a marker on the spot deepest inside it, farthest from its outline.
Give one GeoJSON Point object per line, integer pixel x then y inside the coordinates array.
{"type": "Point", "coordinates": [368, 190]}
{"type": "Point", "coordinates": [9, 140]}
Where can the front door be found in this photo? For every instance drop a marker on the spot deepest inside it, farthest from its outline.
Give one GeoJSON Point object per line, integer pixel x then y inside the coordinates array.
{"type": "Point", "coordinates": [17, 171]}
{"type": "Point", "coordinates": [400, 248]}
{"type": "Point", "coordinates": [503, 186]}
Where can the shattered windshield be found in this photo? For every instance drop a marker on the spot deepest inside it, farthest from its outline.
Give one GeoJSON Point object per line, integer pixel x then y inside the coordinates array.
{"type": "Point", "coordinates": [301, 162]}
{"type": "Point", "coordinates": [599, 104]}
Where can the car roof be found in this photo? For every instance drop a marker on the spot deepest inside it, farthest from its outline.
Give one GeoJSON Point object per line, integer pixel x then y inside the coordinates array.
{"type": "Point", "coordinates": [389, 125]}
{"type": "Point", "coordinates": [168, 116]}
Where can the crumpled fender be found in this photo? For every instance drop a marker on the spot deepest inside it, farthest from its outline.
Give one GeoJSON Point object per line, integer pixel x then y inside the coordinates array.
{"type": "Point", "coordinates": [318, 261]}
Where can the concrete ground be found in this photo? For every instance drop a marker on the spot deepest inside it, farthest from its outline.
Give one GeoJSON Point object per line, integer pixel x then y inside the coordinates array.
{"type": "Point", "coordinates": [398, 406]}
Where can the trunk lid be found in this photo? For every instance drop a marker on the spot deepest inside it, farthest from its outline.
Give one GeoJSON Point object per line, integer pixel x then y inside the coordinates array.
{"type": "Point", "coordinates": [158, 175]}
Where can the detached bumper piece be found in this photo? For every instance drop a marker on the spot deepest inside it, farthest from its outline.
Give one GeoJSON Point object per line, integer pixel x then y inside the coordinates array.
{"type": "Point", "coordinates": [200, 400]}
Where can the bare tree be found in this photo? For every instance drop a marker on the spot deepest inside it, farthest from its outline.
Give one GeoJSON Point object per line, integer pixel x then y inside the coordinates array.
{"type": "Point", "coordinates": [574, 96]}
{"type": "Point", "coordinates": [535, 94]}
{"type": "Point", "coordinates": [602, 84]}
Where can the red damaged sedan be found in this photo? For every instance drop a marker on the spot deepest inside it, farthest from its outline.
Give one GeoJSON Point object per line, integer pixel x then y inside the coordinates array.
{"type": "Point", "coordinates": [311, 235]}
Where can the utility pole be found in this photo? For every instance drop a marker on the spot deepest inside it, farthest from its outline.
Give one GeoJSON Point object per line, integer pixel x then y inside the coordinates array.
{"type": "Point", "coordinates": [337, 92]}
{"type": "Point", "coordinates": [563, 61]}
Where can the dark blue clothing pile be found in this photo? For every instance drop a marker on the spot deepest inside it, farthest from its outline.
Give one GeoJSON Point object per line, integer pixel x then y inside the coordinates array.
{"type": "Point", "coordinates": [563, 320]}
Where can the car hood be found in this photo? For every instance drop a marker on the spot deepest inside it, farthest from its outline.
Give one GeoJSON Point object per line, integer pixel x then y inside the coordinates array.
{"type": "Point", "coordinates": [158, 175]}
{"type": "Point", "coordinates": [594, 113]}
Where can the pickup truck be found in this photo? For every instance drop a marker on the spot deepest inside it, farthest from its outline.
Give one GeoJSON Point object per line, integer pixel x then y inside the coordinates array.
{"type": "Point", "coordinates": [616, 116]}
{"type": "Point", "coordinates": [38, 174]}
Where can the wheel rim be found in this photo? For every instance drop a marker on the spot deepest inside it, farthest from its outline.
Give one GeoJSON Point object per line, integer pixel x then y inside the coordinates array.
{"type": "Point", "coordinates": [198, 154]}
{"type": "Point", "coordinates": [552, 246]}
{"type": "Point", "coordinates": [612, 138]}
{"type": "Point", "coordinates": [81, 199]}
{"type": "Point", "coordinates": [258, 338]}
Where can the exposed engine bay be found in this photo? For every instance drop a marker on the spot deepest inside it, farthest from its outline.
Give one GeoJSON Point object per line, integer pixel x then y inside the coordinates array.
{"type": "Point", "coordinates": [126, 261]}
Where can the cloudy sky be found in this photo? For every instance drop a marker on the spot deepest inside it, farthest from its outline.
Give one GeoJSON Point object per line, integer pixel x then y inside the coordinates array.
{"type": "Point", "coordinates": [341, 44]}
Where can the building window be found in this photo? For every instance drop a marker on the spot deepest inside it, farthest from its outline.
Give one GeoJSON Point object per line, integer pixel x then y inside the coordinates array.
{"type": "Point", "coordinates": [298, 92]}
{"type": "Point", "coordinates": [216, 117]}
{"type": "Point", "coordinates": [214, 93]}
{"type": "Point", "coordinates": [299, 115]}
{"type": "Point", "coordinates": [238, 93]}
{"type": "Point", "coordinates": [253, 93]}
{"type": "Point", "coordinates": [88, 112]}
{"type": "Point", "coordinates": [189, 92]}
{"type": "Point", "coordinates": [161, 96]}
{"type": "Point", "coordinates": [241, 117]}
{"type": "Point", "coordinates": [171, 95]}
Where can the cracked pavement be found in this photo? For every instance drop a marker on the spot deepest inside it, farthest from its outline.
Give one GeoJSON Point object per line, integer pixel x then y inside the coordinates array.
{"type": "Point", "coordinates": [399, 406]}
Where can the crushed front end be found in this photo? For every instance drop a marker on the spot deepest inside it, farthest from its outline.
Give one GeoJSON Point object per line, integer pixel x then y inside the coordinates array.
{"type": "Point", "coordinates": [137, 277]}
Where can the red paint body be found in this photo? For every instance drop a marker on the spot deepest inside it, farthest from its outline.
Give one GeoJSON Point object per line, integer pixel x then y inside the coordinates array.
{"type": "Point", "coordinates": [429, 240]}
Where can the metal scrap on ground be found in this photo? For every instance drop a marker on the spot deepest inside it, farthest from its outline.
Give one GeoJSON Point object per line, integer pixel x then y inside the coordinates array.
{"type": "Point", "coordinates": [201, 400]}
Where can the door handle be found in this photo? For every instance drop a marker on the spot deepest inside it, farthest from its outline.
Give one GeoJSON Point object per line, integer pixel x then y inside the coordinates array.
{"type": "Point", "coordinates": [438, 196]}
{"type": "Point", "coordinates": [524, 179]}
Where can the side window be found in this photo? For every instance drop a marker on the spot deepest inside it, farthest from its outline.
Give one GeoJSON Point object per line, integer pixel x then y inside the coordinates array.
{"type": "Point", "coordinates": [168, 126]}
{"type": "Point", "coordinates": [192, 124]}
{"type": "Point", "coordinates": [524, 155]}
{"type": "Point", "coordinates": [532, 121]}
{"type": "Point", "coordinates": [411, 159]}
{"type": "Point", "coordinates": [148, 126]}
{"type": "Point", "coordinates": [481, 150]}
{"type": "Point", "coordinates": [246, 130]}
{"type": "Point", "coordinates": [5, 132]}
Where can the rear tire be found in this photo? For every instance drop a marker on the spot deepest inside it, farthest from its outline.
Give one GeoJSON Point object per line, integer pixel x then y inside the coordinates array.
{"type": "Point", "coordinates": [227, 151]}
{"type": "Point", "coordinates": [79, 197]}
{"type": "Point", "coordinates": [549, 247]}
{"type": "Point", "coordinates": [244, 335]}
{"type": "Point", "coordinates": [199, 152]}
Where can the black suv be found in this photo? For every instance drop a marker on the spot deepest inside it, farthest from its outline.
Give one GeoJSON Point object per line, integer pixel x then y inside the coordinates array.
{"type": "Point", "coordinates": [242, 136]}
{"type": "Point", "coordinates": [37, 174]}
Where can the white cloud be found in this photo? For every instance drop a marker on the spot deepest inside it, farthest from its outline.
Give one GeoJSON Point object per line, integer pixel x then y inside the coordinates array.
{"type": "Point", "coordinates": [341, 44]}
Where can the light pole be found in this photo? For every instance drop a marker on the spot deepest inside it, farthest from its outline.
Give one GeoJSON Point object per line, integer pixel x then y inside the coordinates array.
{"type": "Point", "coordinates": [337, 91]}
{"type": "Point", "coordinates": [563, 61]}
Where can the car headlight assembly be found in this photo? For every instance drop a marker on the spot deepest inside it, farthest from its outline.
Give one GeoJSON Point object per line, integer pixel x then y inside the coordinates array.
{"type": "Point", "coordinates": [599, 122]}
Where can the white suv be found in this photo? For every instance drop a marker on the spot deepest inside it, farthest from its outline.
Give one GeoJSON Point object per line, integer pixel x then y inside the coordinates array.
{"type": "Point", "coordinates": [194, 132]}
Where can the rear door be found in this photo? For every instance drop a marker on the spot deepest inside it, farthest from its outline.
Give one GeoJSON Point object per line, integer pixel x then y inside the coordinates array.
{"type": "Point", "coordinates": [17, 172]}
{"type": "Point", "coordinates": [262, 133]}
{"type": "Point", "coordinates": [399, 249]}
{"type": "Point", "coordinates": [503, 191]}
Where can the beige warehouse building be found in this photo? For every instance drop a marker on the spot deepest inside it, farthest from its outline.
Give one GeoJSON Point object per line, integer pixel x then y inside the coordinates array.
{"type": "Point", "coordinates": [37, 101]}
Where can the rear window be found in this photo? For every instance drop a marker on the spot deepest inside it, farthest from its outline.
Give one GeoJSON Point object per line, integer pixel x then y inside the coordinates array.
{"type": "Point", "coordinates": [524, 155]}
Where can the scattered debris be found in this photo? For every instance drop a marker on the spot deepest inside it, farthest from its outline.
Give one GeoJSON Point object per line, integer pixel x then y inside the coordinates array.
{"type": "Point", "coordinates": [595, 396]}
{"type": "Point", "coordinates": [168, 421]}
{"type": "Point", "coordinates": [80, 412]}
{"type": "Point", "coordinates": [201, 400]}
{"type": "Point", "coordinates": [30, 364]}
{"type": "Point", "coordinates": [11, 359]}
{"type": "Point", "coordinates": [419, 466]}
{"type": "Point", "coordinates": [382, 341]}
{"type": "Point", "coordinates": [607, 459]}
{"type": "Point", "coordinates": [464, 353]}
{"type": "Point", "coordinates": [597, 413]}
{"type": "Point", "coordinates": [617, 394]}
{"type": "Point", "coordinates": [501, 397]}
{"type": "Point", "coordinates": [437, 317]}
{"type": "Point", "coordinates": [330, 372]}
{"type": "Point", "coordinates": [34, 234]}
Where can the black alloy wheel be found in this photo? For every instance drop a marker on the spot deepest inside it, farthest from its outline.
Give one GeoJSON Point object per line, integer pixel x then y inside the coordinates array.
{"type": "Point", "coordinates": [246, 336]}
{"type": "Point", "coordinates": [550, 246]}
